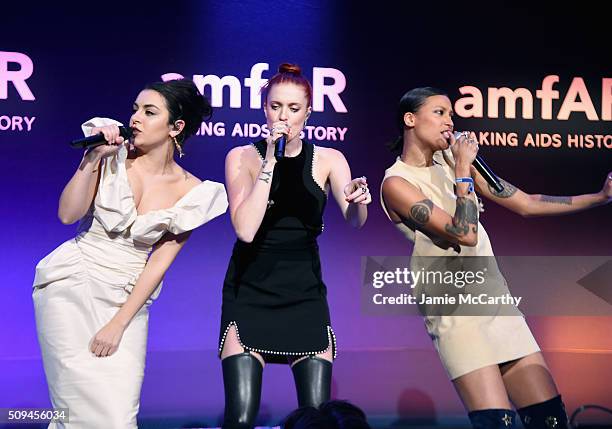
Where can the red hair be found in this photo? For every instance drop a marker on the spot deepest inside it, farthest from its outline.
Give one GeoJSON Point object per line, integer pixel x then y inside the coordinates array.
{"type": "Point", "coordinates": [289, 73]}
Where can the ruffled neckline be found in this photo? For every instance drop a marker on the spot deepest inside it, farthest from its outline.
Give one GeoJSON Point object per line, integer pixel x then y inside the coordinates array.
{"type": "Point", "coordinates": [115, 207]}
{"type": "Point", "coordinates": [175, 205]}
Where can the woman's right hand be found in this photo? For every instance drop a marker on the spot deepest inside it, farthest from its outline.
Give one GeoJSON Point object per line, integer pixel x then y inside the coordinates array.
{"type": "Point", "coordinates": [114, 141]}
{"type": "Point", "coordinates": [464, 149]}
{"type": "Point", "coordinates": [278, 129]}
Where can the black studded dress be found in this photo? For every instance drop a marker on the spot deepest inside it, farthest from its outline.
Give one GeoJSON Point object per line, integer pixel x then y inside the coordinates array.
{"type": "Point", "coordinates": [273, 291]}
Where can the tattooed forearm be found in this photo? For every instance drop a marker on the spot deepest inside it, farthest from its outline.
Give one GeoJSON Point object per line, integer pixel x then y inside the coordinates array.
{"type": "Point", "coordinates": [466, 217]}
{"type": "Point", "coordinates": [556, 200]}
{"type": "Point", "coordinates": [421, 211]}
{"type": "Point", "coordinates": [507, 192]}
{"type": "Point", "coordinates": [265, 176]}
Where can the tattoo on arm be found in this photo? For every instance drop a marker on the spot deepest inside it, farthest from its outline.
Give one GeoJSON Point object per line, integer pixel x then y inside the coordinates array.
{"type": "Point", "coordinates": [267, 174]}
{"type": "Point", "coordinates": [507, 192]}
{"type": "Point", "coordinates": [556, 200]}
{"type": "Point", "coordinates": [466, 216]}
{"type": "Point", "coordinates": [421, 211]}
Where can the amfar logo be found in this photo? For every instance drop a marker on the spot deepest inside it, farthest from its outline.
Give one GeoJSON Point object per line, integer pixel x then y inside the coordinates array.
{"type": "Point", "coordinates": [254, 82]}
{"type": "Point", "coordinates": [577, 100]}
{"type": "Point", "coordinates": [16, 77]}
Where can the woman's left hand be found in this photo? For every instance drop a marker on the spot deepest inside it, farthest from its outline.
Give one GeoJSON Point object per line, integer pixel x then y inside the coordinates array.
{"type": "Point", "coordinates": [106, 341]}
{"type": "Point", "coordinates": [357, 191]}
{"type": "Point", "coordinates": [607, 187]}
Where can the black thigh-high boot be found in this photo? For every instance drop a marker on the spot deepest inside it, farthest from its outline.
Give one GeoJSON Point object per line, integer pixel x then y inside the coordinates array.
{"type": "Point", "coordinates": [312, 377]}
{"type": "Point", "coordinates": [547, 415]}
{"type": "Point", "coordinates": [493, 418]}
{"type": "Point", "coordinates": [242, 382]}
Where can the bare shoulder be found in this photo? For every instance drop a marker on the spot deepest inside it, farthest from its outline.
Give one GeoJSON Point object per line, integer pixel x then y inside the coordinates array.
{"type": "Point", "coordinates": [393, 182]}
{"type": "Point", "coordinates": [396, 185]}
{"type": "Point", "coordinates": [247, 153]}
{"type": "Point", "coordinates": [329, 155]}
{"type": "Point", "coordinates": [191, 178]}
{"type": "Point", "coordinates": [190, 181]}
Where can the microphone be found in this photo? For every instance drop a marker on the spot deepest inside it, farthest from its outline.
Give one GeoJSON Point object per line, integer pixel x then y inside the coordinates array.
{"type": "Point", "coordinates": [98, 139]}
{"type": "Point", "coordinates": [484, 169]}
{"type": "Point", "coordinates": [279, 147]}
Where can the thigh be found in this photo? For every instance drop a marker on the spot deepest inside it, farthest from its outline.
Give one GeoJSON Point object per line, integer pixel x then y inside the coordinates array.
{"type": "Point", "coordinates": [482, 389]}
{"type": "Point", "coordinates": [328, 355]}
{"type": "Point", "coordinates": [232, 346]}
{"type": "Point", "coordinates": [528, 380]}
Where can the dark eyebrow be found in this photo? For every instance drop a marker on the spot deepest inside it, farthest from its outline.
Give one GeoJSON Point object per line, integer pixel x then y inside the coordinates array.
{"type": "Point", "coordinates": [444, 108]}
{"type": "Point", "coordinates": [146, 106]}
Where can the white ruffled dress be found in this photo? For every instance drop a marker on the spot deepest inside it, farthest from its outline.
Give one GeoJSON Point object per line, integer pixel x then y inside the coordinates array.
{"type": "Point", "coordinates": [80, 286]}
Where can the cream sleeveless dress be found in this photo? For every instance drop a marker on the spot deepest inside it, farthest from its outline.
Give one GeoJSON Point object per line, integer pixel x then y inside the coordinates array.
{"type": "Point", "coordinates": [464, 343]}
{"type": "Point", "coordinates": [80, 286]}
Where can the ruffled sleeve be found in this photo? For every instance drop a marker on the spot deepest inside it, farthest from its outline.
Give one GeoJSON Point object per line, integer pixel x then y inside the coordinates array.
{"type": "Point", "coordinates": [202, 203]}
{"type": "Point", "coordinates": [114, 202]}
{"type": "Point", "coordinates": [87, 126]}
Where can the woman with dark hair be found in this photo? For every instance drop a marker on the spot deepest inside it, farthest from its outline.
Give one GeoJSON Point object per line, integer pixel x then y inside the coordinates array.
{"type": "Point", "coordinates": [430, 196]}
{"type": "Point", "coordinates": [136, 209]}
{"type": "Point", "coordinates": [274, 299]}
{"type": "Point", "coordinates": [329, 415]}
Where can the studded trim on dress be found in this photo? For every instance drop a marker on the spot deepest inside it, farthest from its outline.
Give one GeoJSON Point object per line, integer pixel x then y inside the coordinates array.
{"type": "Point", "coordinates": [331, 340]}
{"type": "Point", "coordinates": [312, 167]}
{"type": "Point", "coordinates": [257, 150]}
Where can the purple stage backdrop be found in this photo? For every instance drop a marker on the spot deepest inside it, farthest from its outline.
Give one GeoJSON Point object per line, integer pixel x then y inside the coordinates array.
{"type": "Point", "coordinates": [534, 85]}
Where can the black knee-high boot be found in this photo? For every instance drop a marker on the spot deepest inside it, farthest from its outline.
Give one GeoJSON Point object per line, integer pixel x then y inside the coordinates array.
{"type": "Point", "coordinates": [547, 415]}
{"type": "Point", "coordinates": [493, 419]}
{"type": "Point", "coordinates": [242, 382]}
{"type": "Point", "coordinates": [312, 381]}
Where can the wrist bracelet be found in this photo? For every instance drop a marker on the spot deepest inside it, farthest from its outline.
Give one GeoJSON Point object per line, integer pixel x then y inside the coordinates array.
{"type": "Point", "coordinates": [466, 180]}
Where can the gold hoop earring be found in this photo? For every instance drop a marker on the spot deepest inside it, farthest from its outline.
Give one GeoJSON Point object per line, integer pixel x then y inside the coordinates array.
{"type": "Point", "coordinates": [178, 147]}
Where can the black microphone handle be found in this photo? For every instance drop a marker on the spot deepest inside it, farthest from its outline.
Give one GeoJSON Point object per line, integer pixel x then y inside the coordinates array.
{"type": "Point", "coordinates": [279, 147]}
{"type": "Point", "coordinates": [98, 139]}
{"type": "Point", "coordinates": [487, 173]}
{"type": "Point", "coordinates": [484, 169]}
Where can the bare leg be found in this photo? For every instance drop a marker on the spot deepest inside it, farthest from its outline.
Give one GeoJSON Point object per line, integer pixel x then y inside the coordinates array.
{"type": "Point", "coordinates": [532, 389]}
{"type": "Point", "coordinates": [482, 389]}
{"type": "Point", "coordinates": [484, 395]}
{"type": "Point", "coordinates": [327, 355]}
{"type": "Point", "coordinates": [528, 380]}
{"type": "Point", "coordinates": [232, 346]}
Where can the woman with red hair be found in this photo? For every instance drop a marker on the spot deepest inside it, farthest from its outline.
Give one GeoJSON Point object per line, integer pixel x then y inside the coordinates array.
{"type": "Point", "coordinates": [274, 299]}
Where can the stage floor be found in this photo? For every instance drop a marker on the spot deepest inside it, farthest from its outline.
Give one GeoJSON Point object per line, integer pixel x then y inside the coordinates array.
{"type": "Point", "coordinates": [397, 388]}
